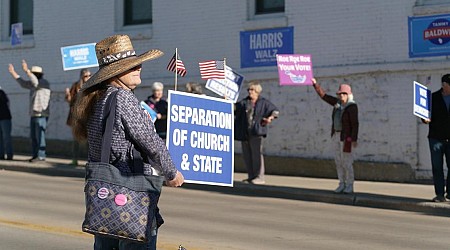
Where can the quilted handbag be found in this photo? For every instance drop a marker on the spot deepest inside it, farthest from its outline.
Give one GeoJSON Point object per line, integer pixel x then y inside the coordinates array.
{"type": "Point", "coordinates": [119, 205]}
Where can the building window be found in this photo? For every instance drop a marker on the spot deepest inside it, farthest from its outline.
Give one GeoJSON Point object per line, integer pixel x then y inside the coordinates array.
{"type": "Point", "coordinates": [268, 6]}
{"type": "Point", "coordinates": [431, 7]}
{"type": "Point", "coordinates": [430, 2]}
{"type": "Point", "coordinates": [21, 11]}
{"type": "Point", "coordinates": [137, 12]}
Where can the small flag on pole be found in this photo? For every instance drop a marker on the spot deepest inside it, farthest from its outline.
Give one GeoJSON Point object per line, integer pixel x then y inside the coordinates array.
{"type": "Point", "coordinates": [212, 70]}
{"type": "Point", "coordinates": [177, 63]}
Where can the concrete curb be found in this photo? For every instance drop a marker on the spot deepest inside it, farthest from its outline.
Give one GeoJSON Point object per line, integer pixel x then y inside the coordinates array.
{"type": "Point", "coordinates": [45, 169]}
{"type": "Point", "coordinates": [324, 196]}
{"type": "Point", "coordinates": [294, 193]}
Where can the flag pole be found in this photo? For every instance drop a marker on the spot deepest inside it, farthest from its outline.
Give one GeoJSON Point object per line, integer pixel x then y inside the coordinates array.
{"type": "Point", "coordinates": [176, 68]}
{"type": "Point", "coordinates": [225, 73]}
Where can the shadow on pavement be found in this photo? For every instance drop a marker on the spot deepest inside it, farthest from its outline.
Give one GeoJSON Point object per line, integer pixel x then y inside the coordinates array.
{"type": "Point", "coordinates": [328, 196]}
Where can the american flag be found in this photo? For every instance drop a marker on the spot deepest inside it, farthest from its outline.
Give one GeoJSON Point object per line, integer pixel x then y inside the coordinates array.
{"type": "Point", "coordinates": [177, 63]}
{"type": "Point", "coordinates": [212, 70]}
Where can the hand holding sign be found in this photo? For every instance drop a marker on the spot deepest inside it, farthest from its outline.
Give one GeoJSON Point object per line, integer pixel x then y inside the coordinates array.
{"type": "Point", "coordinates": [177, 181]}
{"type": "Point", "coordinates": [294, 69]}
{"type": "Point", "coordinates": [422, 101]}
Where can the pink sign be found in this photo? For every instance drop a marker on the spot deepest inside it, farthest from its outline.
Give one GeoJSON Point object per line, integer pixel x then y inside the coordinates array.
{"type": "Point", "coordinates": [294, 69]}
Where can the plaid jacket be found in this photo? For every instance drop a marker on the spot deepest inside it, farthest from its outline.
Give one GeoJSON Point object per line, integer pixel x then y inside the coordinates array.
{"type": "Point", "coordinates": [132, 128]}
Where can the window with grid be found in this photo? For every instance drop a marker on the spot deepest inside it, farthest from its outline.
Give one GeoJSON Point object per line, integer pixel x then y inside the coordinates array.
{"type": "Point", "coordinates": [268, 6]}
{"type": "Point", "coordinates": [431, 2]}
{"type": "Point", "coordinates": [21, 11]}
{"type": "Point", "coordinates": [137, 12]}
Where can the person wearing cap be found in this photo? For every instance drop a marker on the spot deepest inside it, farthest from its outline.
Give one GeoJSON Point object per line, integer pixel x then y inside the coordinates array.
{"type": "Point", "coordinates": [253, 114]}
{"type": "Point", "coordinates": [120, 70]}
{"type": "Point", "coordinates": [439, 138]}
{"type": "Point", "coordinates": [70, 96]}
{"type": "Point", "coordinates": [159, 104]}
{"type": "Point", "coordinates": [344, 133]}
{"type": "Point", "coordinates": [39, 106]}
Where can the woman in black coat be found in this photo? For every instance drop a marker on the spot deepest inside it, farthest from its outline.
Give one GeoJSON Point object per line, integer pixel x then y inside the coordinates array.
{"type": "Point", "coordinates": [252, 115]}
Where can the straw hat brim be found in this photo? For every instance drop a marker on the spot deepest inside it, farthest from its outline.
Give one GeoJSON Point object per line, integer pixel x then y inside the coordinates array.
{"type": "Point", "coordinates": [116, 68]}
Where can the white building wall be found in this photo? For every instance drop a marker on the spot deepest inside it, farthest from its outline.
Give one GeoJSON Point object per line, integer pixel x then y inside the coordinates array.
{"type": "Point", "coordinates": [364, 43]}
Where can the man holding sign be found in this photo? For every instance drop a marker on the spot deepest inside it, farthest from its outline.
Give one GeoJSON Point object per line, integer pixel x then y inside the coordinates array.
{"type": "Point", "coordinates": [439, 138]}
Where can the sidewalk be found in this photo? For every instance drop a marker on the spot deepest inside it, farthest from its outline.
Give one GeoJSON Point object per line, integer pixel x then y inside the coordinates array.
{"type": "Point", "coordinates": [406, 197]}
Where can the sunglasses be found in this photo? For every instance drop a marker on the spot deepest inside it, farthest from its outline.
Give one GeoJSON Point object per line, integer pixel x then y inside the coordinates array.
{"type": "Point", "coordinates": [138, 67]}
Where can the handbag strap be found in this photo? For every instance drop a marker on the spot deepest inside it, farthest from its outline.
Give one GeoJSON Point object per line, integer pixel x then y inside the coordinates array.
{"type": "Point", "coordinates": [109, 113]}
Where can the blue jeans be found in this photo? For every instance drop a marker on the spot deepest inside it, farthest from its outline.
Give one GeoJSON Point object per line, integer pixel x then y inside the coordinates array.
{"type": "Point", "coordinates": [438, 149]}
{"type": "Point", "coordinates": [5, 139]}
{"type": "Point", "coordinates": [38, 125]}
{"type": "Point", "coordinates": [107, 243]}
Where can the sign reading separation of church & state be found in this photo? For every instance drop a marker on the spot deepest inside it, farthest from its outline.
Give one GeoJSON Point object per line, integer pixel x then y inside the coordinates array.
{"type": "Point", "coordinates": [79, 56]}
{"type": "Point", "coordinates": [259, 47]}
{"type": "Point", "coordinates": [294, 69]}
{"type": "Point", "coordinates": [429, 35]}
{"type": "Point", "coordinates": [422, 101]}
{"type": "Point", "coordinates": [200, 138]}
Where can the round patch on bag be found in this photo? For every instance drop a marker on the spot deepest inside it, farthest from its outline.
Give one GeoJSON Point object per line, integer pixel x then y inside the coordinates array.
{"type": "Point", "coordinates": [103, 193]}
{"type": "Point", "coordinates": [121, 199]}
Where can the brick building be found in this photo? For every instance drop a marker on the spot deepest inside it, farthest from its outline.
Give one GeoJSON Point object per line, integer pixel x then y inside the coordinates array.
{"type": "Point", "coordinates": [364, 43]}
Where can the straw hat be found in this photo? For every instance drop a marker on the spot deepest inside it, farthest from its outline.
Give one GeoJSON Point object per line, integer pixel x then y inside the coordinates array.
{"type": "Point", "coordinates": [115, 55]}
{"type": "Point", "coordinates": [36, 69]}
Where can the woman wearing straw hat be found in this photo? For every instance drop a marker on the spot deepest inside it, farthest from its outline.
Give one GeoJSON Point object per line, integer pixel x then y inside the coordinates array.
{"type": "Point", "coordinates": [344, 133]}
{"type": "Point", "coordinates": [119, 70]}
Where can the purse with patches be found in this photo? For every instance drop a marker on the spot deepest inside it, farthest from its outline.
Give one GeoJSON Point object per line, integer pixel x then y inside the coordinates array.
{"type": "Point", "coordinates": [119, 205]}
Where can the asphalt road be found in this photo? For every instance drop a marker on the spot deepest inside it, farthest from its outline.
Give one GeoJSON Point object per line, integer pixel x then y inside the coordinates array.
{"type": "Point", "coordinates": [45, 212]}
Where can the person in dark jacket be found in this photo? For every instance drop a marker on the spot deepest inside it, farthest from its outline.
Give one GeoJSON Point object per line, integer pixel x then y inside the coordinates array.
{"type": "Point", "coordinates": [344, 132]}
{"type": "Point", "coordinates": [159, 104]}
{"type": "Point", "coordinates": [5, 128]}
{"type": "Point", "coordinates": [253, 114]}
{"type": "Point", "coordinates": [439, 138]}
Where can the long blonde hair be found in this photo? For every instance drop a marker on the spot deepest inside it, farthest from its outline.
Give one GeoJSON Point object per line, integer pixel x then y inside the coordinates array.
{"type": "Point", "coordinates": [84, 108]}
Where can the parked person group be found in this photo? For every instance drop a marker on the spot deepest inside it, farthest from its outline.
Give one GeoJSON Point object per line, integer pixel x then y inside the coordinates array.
{"type": "Point", "coordinates": [70, 96]}
{"type": "Point", "coordinates": [344, 133]}
{"type": "Point", "coordinates": [439, 139]}
{"type": "Point", "coordinates": [252, 115]}
{"type": "Point", "coordinates": [159, 104]}
{"type": "Point", "coordinates": [39, 106]}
